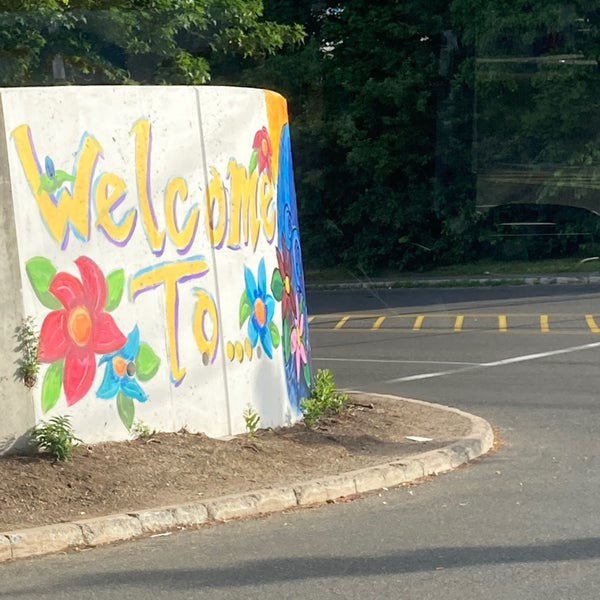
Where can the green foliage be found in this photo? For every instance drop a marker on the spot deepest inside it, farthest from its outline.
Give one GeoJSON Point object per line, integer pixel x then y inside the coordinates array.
{"type": "Point", "coordinates": [141, 430]}
{"type": "Point", "coordinates": [245, 309]}
{"type": "Point", "coordinates": [27, 344]}
{"type": "Point", "coordinates": [52, 385]}
{"type": "Point", "coordinates": [323, 398]}
{"type": "Point", "coordinates": [126, 409]}
{"type": "Point", "coordinates": [252, 419]}
{"type": "Point", "coordinates": [56, 436]}
{"type": "Point", "coordinates": [147, 362]}
{"type": "Point", "coordinates": [40, 272]}
{"type": "Point", "coordinates": [124, 41]}
{"type": "Point", "coordinates": [398, 109]}
{"type": "Point", "coordinates": [277, 285]}
{"type": "Point", "coordinates": [116, 284]}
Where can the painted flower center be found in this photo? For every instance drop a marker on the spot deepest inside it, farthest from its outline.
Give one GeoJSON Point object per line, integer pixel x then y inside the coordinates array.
{"type": "Point", "coordinates": [119, 365]}
{"type": "Point", "coordinates": [287, 285]}
{"type": "Point", "coordinates": [260, 312]}
{"type": "Point", "coordinates": [80, 325]}
{"type": "Point", "coordinates": [264, 147]}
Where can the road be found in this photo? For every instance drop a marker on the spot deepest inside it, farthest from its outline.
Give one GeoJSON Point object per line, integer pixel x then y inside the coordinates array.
{"type": "Point", "coordinates": [522, 523]}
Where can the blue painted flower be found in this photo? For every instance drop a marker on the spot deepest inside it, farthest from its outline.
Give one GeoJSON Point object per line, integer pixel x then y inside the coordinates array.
{"type": "Point", "coordinates": [119, 375]}
{"type": "Point", "coordinates": [262, 307]}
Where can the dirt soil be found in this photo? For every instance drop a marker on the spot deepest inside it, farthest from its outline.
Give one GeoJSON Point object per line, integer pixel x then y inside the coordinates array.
{"type": "Point", "coordinates": [171, 468]}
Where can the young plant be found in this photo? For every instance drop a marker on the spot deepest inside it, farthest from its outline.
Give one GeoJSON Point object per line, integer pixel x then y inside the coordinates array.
{"type": "Point", "coordinates": [57, 437]}
{"type": "Point", "coordinates": [252, 420]}
{"type": "Point", "coordinates": [323, 398]}
{"type": "Point", "coordinates": [141, 429]}
{"type": "Point", "coordinates": [28, 343]}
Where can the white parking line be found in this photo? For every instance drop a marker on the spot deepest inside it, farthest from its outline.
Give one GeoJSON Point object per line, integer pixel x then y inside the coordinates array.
{"type": "Point", "coordinates": [397, 362]}
{"type": "Point", "coordinates": [463, 366]}
{"type": "Point", "coordinates": [496, 363]}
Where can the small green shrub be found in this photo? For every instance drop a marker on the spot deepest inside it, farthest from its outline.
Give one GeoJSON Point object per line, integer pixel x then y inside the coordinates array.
{"type": "Point", "coordinates": [57, 437]}
{"type": "Point", "coordinates": [323, 398]}
{"type": "Point", "coordinates": [28, 344]}
{"type": "Point", "coordinates": [141, 429]}
{"type": "Point", "coordinates": [252, 420]}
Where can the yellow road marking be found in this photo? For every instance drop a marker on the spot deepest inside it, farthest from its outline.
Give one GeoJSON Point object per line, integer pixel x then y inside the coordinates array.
{"type": "Point", "coordinates": [589, 319]}
{"type": "Point", "coordinates": [341, 322]}
{"type": "Point", "coordinates": [418, 322]}
{"type": "Point", "coordinates": [378, 323]}
{"type": "Point", "coordinates": [502, 323]}
{"type": "Point", "coordinates": [457, 326]}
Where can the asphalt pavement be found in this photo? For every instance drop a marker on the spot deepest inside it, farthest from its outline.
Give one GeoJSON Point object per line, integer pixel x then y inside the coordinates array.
{"type": "Point", "coordinates": [523, 523]}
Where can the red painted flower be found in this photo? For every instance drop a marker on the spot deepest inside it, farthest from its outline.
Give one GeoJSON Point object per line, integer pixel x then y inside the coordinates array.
{"type": "Point", "coordinates": [81, 329]}
{"type": "Point", "coordinates": [262, 145]}
{"type": "Point", "coordinates": [284, 264]}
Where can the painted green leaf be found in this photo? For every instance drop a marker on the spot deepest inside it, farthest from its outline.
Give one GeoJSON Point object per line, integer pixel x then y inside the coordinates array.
{"type": "Point", "coordinates": [275, 337]}
{"type": "Point", "coordinates": [286, 341]}
{"type": "Point", "coordinates": [40, 272]}
{"type": "Point", "coordinates": [245, 308]}
{"type": "Point", "coordinates": [301, 304]}
{"type": "Point", "coordinates": [253, 162]}
{"type": "Point", "coordinates": [52, 384]}
{"type": "Point", "coordinates": [116, 284]}
{"type": "Point", "coordinates": [277, 285]}
{"type": "Point", "coordinates": [306, 373]}
{"type": "Point", "coordinates": [147, 362]}
{"type": "Point", "coordinates": [126, 409]}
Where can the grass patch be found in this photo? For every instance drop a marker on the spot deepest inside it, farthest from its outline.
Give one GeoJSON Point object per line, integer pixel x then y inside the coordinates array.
{"type": "Point", "coordinates": [505, 273]}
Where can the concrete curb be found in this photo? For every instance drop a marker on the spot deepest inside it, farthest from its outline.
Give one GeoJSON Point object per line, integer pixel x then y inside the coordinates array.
{"type": "Point", "coordinates": [121, 527]}
{"type": "Point", "coordinates": [458, 281]}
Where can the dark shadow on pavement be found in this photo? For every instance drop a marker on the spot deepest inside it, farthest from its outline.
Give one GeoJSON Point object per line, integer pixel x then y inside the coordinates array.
{"type": "Point", "coordinates": [281, 570]}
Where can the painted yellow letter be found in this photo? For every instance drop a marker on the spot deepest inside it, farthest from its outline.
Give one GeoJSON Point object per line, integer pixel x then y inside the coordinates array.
{"type": "Point", "coordinates": [143, 136]}
{"type": "Point", "coordinates": [110, 192]}
{"type": "Point", "coordinates": [216, 210]}
{"type": "Point", "coordinates": [184, 237]}
{"type": "Point", "coordinates": [268, 208]}
{"type": "Point", "coordinates": [207, 341]}
{"type": "Point", "coordinates": [61, 209]}
{"type": "Point", "coordinates": [170, 274]}
{"type": "Point", "coordinates": [244, 214]}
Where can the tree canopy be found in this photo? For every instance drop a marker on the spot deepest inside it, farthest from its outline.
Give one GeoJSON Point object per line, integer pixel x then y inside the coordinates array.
{"type": "Point", "coordinates": [131, 41]}
{"type": "Point", "coordinates": [407, 115]}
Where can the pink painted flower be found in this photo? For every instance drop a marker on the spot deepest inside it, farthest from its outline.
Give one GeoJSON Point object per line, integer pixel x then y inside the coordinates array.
{"type": "Point", "coordinates": [297, 341]}
{"type": "Point", "coordinates": [81, 329]}
{"type": "Point", "coordinates": [262, 145]}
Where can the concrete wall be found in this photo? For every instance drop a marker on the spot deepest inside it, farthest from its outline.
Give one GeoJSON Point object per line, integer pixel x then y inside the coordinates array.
{"type": "Point", "coordinates": [17, 407]}
{"type": "Point", "coordinates": [155, 243]}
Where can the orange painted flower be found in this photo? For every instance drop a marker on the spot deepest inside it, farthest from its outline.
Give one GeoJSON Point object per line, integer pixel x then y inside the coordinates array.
{"type": "Point", "coordinates": [81, 329]}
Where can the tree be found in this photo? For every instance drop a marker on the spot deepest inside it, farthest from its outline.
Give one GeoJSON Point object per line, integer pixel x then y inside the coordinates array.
{"type": "Point", "coordinates": [380, 95]}
{"type": "Point", "coordinates": [130, 41]}
{"type": "Point", "coordinates": [399, 109]}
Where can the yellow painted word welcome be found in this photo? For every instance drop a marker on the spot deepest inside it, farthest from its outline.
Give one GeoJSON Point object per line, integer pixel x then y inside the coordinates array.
{"type": "Point", "coordinates": [236, 209]}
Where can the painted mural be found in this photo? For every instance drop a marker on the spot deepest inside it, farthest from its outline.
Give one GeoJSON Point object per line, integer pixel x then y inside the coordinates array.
{"type": "Point", "coordinates": [161, 255]}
